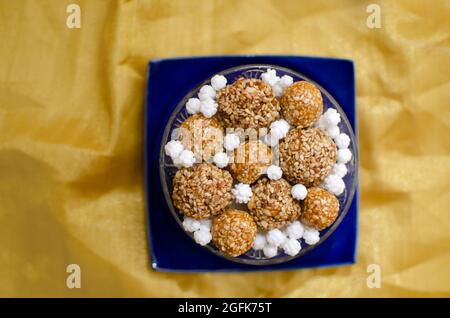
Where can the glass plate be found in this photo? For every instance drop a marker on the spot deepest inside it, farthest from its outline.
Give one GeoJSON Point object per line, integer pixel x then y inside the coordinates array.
{"type": "Point", "coordinates": [168, 170]}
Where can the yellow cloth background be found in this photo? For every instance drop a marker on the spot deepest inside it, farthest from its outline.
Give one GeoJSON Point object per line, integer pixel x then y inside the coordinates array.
{"type": "Point", "coordinates": [71, 140]}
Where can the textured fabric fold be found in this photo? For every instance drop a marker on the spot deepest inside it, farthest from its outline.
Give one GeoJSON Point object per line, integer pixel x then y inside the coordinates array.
{"type": "Point", "coordinates": [71, 140]}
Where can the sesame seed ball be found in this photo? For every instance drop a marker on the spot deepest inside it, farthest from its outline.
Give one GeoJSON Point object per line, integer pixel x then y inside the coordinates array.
{"type": "Point", "coordinates": [233, 232]}
{"type": "Point", "coordinates": [301, 104]}
{"type": "Point", "coordinates": [250, 160]}
{"type": "Point", "coordinates": [307, 156]}
{"type": "Point", "coordinates": [202, 191]}
{"type": "Point", "coordinates": [319, 209]}
{"type": "Point", "coordinates": [272, 205]}
{"type": "Point", "coordinates": [247, 103]}
{"type": "Point", "coordinates": [203, 136]}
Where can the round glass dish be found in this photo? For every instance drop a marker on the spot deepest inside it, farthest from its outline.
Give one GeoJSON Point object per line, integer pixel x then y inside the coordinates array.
{"type": "Point", "coordinates": [167, 170]}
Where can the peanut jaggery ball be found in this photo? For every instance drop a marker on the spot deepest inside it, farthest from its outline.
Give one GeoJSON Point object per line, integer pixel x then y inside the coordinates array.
{"type": "Point", "coordinates": [202, 191]}
{"type": "Point", "coordinates": [272, 205]}
{"type": "Point", "coordinates": [301, 104]}
{"type": "Point", "coordinates": [319, 209]}
{"type": "Point", "coordinates": [203, 136]}
{"type": "Point", "coordinates": [307, 156]}
{"type": "Point", "coordinates": [233, 232]}
{"type": "Point", "coordinates": [250, 160]}
{"type": "Point", "coordinates": [247, 103]}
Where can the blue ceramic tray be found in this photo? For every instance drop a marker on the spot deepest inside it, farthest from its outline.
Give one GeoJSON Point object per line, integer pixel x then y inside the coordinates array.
{"type": "Point", "coordinates": [169, 80]}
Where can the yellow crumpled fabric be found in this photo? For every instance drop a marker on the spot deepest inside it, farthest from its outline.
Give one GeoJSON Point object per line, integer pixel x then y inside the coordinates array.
{"type": "Point", "coordinates": [71, 140]}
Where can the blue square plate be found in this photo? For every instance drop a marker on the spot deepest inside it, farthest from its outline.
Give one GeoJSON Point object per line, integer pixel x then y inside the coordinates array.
{"type": "Point", "coordinates": [169, 80]}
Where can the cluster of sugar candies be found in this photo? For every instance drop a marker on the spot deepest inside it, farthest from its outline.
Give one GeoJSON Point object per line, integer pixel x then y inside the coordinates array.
{"type": "Point", "coordinates": [232, 231]}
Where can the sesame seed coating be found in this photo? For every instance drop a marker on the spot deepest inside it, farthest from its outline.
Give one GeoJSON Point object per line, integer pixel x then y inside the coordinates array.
{"type": "Point", "coordinates": [250, 160]}
{"type": "Point", "coordinates": [203, 136]}
{"type": "Point", "coordinates": [320, 208]}
{"type": "Point", "coordinates": [247, 103]}
{"type": "Point", "coordinates": [307, 156]}
{"type": "Point", "coordinates": [202, 191]}
{"type": "Point", "coordinates": [301, 104]}
{"type": "Point", "coordinates": [233, 232]}
{"type": "Point", "coordinates": [272, 205]}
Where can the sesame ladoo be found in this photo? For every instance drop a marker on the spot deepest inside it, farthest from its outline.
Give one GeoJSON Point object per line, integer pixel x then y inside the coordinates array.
{"type": "Point", "coordinates": [247, 103]}
{"type": "Point", "coordinates": [202, 191]}
{"type": "Point", "coordinates": [307, 156]}
{"type": "Point", "coordinates": [250, 160]}
{"type": "Point", "coordinates": [319, 209]}
{"type": "Point", "coordinates": [203, 136]}
{"type": "Point", "coordinates": [233, 232]}
{"type": "Point", "coordinates": [301, 104]}
{"type": "Point", "coordinates": [272, 205]}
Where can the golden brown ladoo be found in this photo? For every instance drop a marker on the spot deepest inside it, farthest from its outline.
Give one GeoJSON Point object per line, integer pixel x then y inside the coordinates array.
{"type": "Point", "coordinates": [307, 156]}
{"type": "Point", "coordinates": [202, 191]}
{"type": "Point", "coordinates": [233, 232]}
{"type": "Point", "coordinates": [301, 104]}
{"type": "Point", "coordinates": [319, 209]}
{"type": "Point", "coordinates": [203, 136]}
{"type": "Point", "coordinates": [247, 103]}
{"type": "Point", "coordinates": [250, 160]}
{"type": "Point", "coordinates": [272, 205]}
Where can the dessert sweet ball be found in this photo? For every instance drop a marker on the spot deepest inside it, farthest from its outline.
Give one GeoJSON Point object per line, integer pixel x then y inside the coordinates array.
{"type": "Point", "coordinates": [250, 160]}
{"type": "Point", "coordinates": [203, 136]}
{"type": "Point", "coordinates": [307, 156]}
{"type": "Point", "coordinates": [319, 209]}
{"type": "Point", "coordinates": [233, 232]}
{"type": "Point", "coordinates": [272, 205]}
{"type": "Point", "coordinates": [247, 103]}
{"type": "Point", "coordinates": [301, 104]}
{"type": "Point", "coordinates": [202, 191]}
